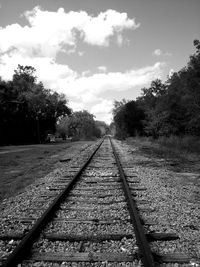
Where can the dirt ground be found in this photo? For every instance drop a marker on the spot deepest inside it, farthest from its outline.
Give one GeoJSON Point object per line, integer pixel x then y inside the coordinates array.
{"type": "Point", "coordinates": [22, 165]}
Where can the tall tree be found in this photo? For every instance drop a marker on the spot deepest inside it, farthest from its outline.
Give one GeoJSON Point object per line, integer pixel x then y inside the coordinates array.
{"type": "Point", "coordinates": [29, 111]}
{"type": "Point", "coordinates": [128, 119]}
{"type": "Point", "coordinates": [170, 108]}
{"type": "Point", "coordinates": [149, 103]}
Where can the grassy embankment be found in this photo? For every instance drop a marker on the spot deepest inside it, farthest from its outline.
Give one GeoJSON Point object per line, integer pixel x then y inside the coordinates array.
{"type": "Point", "coordinates": [22, 165]}
{"type": "Point", "coordinates": [179, 156]}
{"type": "Point", "coordinates": [182, 147]}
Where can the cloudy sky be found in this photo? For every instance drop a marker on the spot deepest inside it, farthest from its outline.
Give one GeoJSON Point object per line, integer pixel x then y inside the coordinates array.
{"type": "Point", "coordinates": [97, 51]}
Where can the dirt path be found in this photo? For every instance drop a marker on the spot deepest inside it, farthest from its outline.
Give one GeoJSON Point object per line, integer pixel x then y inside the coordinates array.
{"type": "Point", "coordinates": [14, 150]}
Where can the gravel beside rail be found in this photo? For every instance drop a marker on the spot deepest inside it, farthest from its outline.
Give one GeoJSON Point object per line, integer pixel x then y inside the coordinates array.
{"type": "Point", "coordinates": [175, 210]}
{"type": "Point", "coordinates": [107, 213]}
{"type": "Point", "coordinates": [27, 205]}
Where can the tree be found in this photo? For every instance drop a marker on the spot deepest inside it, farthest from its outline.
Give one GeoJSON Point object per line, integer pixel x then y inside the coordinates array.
{"type": "Point", "coordinates": [119, 118]}
{"type": "Point", "coordinates": [149, 102]}
{"type": "Point", "coordinates": [128, 119]}
{"type": "Point", "coordinates": [170, 108]}
{"type": "Point", "coordinates": [80, 125]}
{"type": "Point", "coordinates": [182, 101]}
{"type": "Point", "coordinates": [174, 107]}
{"type": "Point", "coordinates": [103, 127]}
{"type": "Point", "coordinates": [28, 110]}
{"type": "Point", "coordinates": [118, 105]}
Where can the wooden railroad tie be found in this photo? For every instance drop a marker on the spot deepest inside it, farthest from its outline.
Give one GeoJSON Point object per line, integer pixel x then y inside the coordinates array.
{"type": "Point", "coordinates": [97, 238]}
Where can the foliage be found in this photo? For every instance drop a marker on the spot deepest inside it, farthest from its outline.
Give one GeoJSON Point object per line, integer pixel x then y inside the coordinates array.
{"type": "Point", "coordinates": [151, 102]}
{"type": "Point", "coordinates": [128, 118]}
{"type": "Point", "coordinates": [170, 108]}
{"type": "Point", "coordinates": [103, 127]}
{"type": "Point", "coordinates": [79, 125]}
{"type": "Point", "coordinates": [28, 111]}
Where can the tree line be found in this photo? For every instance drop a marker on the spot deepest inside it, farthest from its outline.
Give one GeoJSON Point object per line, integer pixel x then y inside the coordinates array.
{"type": "Point", "coordinates": [164, 109]}
{"type": "Point", "coordinates": [29, 112]}
{"type": "Point", "coordinates": [81, 125]}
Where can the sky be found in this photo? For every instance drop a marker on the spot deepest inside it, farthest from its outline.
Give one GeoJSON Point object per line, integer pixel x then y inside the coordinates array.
{"type": "Point", "coordinates": [98, 51]}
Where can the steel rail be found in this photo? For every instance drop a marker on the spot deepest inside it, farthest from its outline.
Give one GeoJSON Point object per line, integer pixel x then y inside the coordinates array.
{"type": "Point", "coordinates": [144, 249]}
{"type": "Point", "coordinates": [25, 244]}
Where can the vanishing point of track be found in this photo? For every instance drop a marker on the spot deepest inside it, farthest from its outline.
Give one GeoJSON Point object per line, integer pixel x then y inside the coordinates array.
{"type": "Point", "coordinates": [99, 186]}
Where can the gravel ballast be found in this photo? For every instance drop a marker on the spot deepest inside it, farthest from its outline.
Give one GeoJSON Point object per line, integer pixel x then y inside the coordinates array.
{"type": "Point", "coordinates": [175, 211]}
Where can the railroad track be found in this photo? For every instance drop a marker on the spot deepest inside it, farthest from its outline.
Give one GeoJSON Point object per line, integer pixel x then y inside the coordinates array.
{"type": "Point", "coordinates": [91, 219]}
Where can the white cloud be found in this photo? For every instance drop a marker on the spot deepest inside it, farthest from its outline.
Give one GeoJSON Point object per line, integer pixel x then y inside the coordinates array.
{"type": "Point", "coordinates": [76, 106]}
{"type": "Point", "coordinates": [97, 30]}
{"type": "Point", "coordinates": [47, 70]}
{"type": "Point", "coordinates": [51, 32]}
{"type": "Point", "coordinates": [159, 52]}
{"type": "Point", "coordinates": [102, 110]}
{"type": "Point", "coordinates": [88, 97]}
{"type": "Point", "coordinates": [86, 73]}
{"type": "Point", "coordinates": [102, 68]}
{"type": "Point", "coordinates": [104, 106]}
{"type": "Point", "coordinates": [107, 117]}
{"type": "Point", "coordinates": [90, 90]}
{"type": "Point", "coordinates": [114, 81]}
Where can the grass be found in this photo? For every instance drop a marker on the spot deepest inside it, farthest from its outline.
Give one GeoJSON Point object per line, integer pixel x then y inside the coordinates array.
{"type": "Point", "coordinates": [173, 146]}
{"type": "Point", "coordinates": [179, 155]}
{"type": "Point", "coordinates": [186, 144]}
{"type": "Point", "coordinates": [21, 168]}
